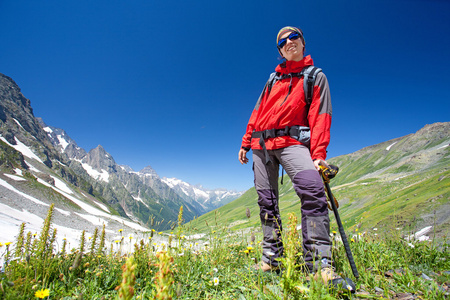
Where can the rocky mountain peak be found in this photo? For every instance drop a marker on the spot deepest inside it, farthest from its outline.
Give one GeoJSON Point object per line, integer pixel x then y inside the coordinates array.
{"type": "Point", "coordinates": [62, 141]}
{"type": "Point", "coordinates": [20, 123]}
{"type": "Point", "coordinates": [14, 106]}
{"type": "Point", "coordinates": [126, 168]}
{"type": "Point", "coordinates": [148, 171]}
{"type": "Point", "coordinates": [99, 159]}
{"type": "Point", "coordinates": [10, 91]}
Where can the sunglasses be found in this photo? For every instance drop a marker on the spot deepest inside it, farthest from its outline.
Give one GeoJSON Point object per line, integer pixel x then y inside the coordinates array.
{"type": "Point", "coordinates": [293, 36]}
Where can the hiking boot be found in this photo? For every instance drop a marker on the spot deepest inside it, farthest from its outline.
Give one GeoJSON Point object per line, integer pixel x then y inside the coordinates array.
{"type": "Point", "coordinates": [330, 278]}
{"type": "Point", "coordinates": [265, 267]}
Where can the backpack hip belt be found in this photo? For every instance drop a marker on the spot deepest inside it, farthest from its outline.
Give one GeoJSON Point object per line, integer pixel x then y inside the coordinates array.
{"type": "Point", "coordinates": [299, 133]}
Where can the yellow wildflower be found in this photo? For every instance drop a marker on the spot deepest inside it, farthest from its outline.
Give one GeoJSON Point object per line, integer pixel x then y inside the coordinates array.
{"type": "Point", "coordinates": [120, 230]}
{"type": "Point", "coordinates": [8, 243]}
{"type": "Point", "coordinates": [42, 293]}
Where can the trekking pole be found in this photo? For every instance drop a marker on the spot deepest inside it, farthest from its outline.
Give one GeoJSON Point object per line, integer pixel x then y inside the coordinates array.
{"type": "Point", "coordinates": [327, 174]}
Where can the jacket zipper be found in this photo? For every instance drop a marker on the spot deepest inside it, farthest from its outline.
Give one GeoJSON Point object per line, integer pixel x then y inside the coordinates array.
{"type": "Point", "coordinates": [289, 91]}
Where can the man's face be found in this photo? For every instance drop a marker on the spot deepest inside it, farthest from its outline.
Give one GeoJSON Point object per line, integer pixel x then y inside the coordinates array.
{"type": "Point", "coordinates": [293, 49]}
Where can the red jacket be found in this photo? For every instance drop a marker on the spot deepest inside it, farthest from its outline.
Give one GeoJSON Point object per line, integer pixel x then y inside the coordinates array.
{"type": "Point", "coordinates": [277, 109]}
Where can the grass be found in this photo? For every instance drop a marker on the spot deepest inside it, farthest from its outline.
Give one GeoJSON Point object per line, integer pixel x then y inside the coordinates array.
{"type": "Point", "coordinates": [217, 266]}
{"type": "Point", "coordinates": [416, 198]}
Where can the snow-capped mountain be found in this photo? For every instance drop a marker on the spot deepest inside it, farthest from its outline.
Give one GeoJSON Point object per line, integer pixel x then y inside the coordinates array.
{"type": "Point", "coordinates": [34, 175]}
{"type": "Point", "coordinates": [208, 199]}
{"type": "Point", "coordinates": [100, 165]}
{"type": "Point", "coordinates": [62, 141]}
{"type": "Point", "coordinates": [31, 150]}
{"type": "Point", "coordinates": [141, 196]}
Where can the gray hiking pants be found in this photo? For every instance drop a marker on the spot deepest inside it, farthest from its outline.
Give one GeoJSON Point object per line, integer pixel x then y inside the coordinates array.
{"type": "Point", "coordinates": [308, 185]}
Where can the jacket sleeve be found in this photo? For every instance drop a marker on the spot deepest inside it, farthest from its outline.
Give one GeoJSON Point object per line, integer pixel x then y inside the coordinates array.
{"type": "Point", "coordinates": [319, 118]}
{"type": "Point", "coordinates": [247, 138]}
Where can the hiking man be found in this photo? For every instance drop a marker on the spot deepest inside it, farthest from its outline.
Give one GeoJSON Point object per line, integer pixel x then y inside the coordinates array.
{"type": "Point", "coordinates": [288, 129]}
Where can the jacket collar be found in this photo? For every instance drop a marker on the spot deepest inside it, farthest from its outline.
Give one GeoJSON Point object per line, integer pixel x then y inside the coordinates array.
{"type": "Point", "coordinates": [294, 66]}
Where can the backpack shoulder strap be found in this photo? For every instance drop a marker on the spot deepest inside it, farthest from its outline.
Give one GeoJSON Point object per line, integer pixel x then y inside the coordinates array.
{"type": "Point", "coordinates": [272, 79]}
{"type": "Point", "coordinates": [268, 87]}
{"type": "Point", "coordinates": [309, 75]}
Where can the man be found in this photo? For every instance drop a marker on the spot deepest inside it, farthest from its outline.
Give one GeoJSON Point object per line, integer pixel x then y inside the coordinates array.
{"type": "Point", "coordinates": [284, 129]}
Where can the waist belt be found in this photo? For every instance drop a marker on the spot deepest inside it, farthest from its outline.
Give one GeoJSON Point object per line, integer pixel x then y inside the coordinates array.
{"type": "Point", "coordinates": [300, 133]}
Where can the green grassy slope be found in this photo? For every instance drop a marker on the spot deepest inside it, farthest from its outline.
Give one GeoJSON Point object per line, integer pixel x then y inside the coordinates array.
{"type": "Point", "coordinates": [404, 186]}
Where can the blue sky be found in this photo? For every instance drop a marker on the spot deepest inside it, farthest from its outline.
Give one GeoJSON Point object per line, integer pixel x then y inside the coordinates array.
{"type": "Point", "coordinates": [171, 84]}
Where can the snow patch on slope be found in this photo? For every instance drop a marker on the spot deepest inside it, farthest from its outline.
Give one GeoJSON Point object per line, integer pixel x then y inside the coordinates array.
{"type": "Point", "coordinates": [61, 185]}
{"type": "Point", "coordinates": [172, 182]}
{"type": "Point", "coordinates": [140, 200]}
{"type": "Point", "coordinates": [22, 148]}
{"type": "Point", "coordinates": [103, 175]}
{"type": "Point", "coordinates": [15, 177]}
{"type": "Point", "coordinates": [48, 129]}
{"type": "Point", "coordinates": [389, 147]}
{"type": "Point", "coordinates": [11, 188]}
{"type": "Point", "coordinates": [18, 123]}
{"type": "Point", "coordinates": [62, 142]}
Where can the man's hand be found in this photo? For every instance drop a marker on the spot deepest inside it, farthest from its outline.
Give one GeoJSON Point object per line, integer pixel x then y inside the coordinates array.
{"type": "Point", "coordinates": [243, 156]}
{"type": "Point", "coordinates": [319, 162]}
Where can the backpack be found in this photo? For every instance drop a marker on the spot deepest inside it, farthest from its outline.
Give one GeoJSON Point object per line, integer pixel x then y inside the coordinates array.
{"type": "Point", "coordinates": [301, 133]}
{"type": "Point", "coordinates": [309, 73]}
